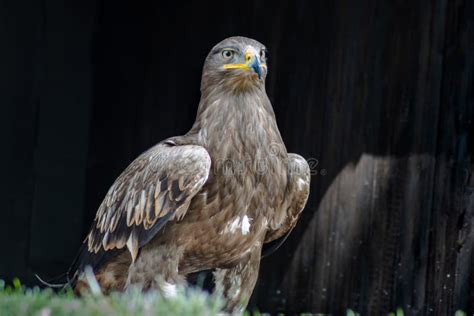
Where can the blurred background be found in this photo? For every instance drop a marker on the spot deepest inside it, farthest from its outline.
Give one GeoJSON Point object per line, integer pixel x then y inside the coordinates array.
{"type": "Point", "coordinates": [378, 93]}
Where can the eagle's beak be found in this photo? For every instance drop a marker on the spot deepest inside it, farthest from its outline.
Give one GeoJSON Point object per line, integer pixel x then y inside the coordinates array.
{"type": "Point", "coordinates": [252, 63]}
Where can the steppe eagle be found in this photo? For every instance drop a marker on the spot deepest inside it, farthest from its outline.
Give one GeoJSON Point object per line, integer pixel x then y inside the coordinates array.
{"type": "Point", "coordinates": [206, 200]}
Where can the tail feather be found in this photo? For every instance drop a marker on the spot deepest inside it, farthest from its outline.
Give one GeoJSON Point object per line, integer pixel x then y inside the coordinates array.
{"type": "Point", "coordinates": [84, 258]}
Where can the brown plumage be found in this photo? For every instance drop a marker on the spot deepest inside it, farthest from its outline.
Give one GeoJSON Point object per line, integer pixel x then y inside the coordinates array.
{"type": "Point", "coordinates": [206, 200]}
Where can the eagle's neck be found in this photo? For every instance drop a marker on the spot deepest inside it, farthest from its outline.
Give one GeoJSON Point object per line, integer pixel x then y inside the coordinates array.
{"type": "Point", "coordinates": [240, 133]}
{"type": "Point", "coordinates": [235, 124]}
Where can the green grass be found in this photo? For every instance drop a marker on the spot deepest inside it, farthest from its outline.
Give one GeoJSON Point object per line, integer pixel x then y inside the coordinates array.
{"type": "Point", "coordinates": [18, 300]}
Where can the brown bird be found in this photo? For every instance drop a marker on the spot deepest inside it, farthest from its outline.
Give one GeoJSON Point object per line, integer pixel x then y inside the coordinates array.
{"type": "Point", "coordinates": [206, 200]}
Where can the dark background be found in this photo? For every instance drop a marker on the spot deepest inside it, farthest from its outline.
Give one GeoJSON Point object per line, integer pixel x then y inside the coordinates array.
{"type": "Point", "coordinates": [379, 92]}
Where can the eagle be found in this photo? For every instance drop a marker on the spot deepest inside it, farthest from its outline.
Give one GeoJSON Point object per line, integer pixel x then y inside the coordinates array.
{"type": "Point", "coordinates": [206, 200]}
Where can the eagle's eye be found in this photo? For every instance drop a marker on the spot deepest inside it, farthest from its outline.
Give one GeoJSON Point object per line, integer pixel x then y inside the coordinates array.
{"type": "Point", "coordinates": [228, 54]}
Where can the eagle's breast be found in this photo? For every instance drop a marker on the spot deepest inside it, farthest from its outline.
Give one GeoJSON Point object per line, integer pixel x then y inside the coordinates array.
{"type": "Point", "coordinates": [247, 181]}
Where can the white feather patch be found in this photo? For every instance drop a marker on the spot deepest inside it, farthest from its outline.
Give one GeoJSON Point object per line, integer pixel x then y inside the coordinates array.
{"type": "Point", "coordinates": [245, 226]}
{"type": "Point", "coordinates": [241, 224]}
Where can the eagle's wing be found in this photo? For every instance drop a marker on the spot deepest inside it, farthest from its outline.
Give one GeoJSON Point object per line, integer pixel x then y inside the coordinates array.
{"type": "Point", "coordinates": [285, 218]}
{"type": "Point", "coordinates": [155, 188]}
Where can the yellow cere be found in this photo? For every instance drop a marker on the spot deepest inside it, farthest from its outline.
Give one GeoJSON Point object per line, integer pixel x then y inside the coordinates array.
{"type": "Point", "coordinates": [248, 57]}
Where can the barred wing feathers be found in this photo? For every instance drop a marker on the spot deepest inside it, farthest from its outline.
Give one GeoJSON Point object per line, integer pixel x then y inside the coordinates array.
{"type": "Point", "coordinates": [155, 188]}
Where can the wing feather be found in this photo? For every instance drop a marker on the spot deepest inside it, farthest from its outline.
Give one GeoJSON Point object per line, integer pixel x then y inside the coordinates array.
{"type": "Point", "coordinates": [155, 188]}
{"type": "Point", "coordinates": [285, 218]}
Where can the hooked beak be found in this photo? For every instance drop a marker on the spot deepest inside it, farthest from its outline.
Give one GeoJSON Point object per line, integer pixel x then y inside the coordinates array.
{"type": "Point", "coordinates": [252, 63]}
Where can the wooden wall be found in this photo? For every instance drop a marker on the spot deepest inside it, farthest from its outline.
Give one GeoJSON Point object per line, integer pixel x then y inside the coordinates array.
{"type": "Point", "coordinates": [46, 95]}
{"type": "Point", "coordinates": [377, 93]}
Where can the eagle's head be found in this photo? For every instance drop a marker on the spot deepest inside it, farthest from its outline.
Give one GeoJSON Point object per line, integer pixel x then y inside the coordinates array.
{"type": "Point", "coordinates": [239, 63]}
